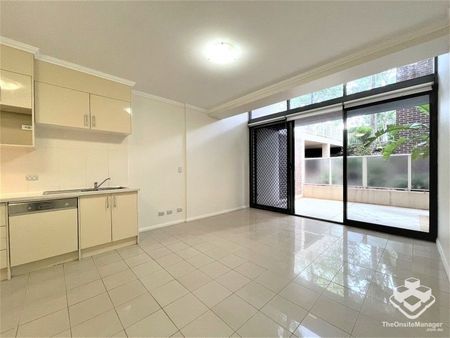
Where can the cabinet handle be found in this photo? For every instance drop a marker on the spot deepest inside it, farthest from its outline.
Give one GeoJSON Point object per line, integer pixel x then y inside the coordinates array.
{"type": "Point", "coordinates": [115, 201]}
{"type": "Point", "coordinates": [107, 202]}
{"type": "Point", "coordinates": [93, 120]}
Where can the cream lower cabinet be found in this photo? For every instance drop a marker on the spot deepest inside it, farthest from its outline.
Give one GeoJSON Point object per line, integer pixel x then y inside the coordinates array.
{"type": "Point", "coordinates": [61, 106]}
{"type": "Point", "coordinates": [95, 220]}
{"type": "Point", "coordinates": [107, 218]}
{"type": "Point", "coordinates": [124, 216]}
{"type": "Point", "coordinates": [3, 237]}
{"type": "Point", "coordinates": [110, 115]}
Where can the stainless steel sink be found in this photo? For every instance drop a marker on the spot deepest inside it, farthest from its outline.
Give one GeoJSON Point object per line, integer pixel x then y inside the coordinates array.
{"type": "Point", "coordinates": [101, 189]}
{"type": "Point", "coordinates": [112, 188]}
{"type": "Point", "coordinates": [68, 191]}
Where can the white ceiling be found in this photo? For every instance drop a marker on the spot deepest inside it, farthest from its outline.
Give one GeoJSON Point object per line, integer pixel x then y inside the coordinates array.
{"type": "Point", "coordinates": [159, 44]}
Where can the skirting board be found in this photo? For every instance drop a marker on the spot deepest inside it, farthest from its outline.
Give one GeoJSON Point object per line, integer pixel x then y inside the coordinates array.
{"type": "Point", "coordinates": [162, 225]}
{"type": "Point", "coordinates": [216, 213]}
{"type": "Point", "coordinates": [443, 258]}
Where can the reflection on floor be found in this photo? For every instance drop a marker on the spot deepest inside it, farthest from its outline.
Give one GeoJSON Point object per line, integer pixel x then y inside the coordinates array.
{"type": "Point", "coordinates": [406, 218]}
{"type": "Point", "coordinates": [248, 273]}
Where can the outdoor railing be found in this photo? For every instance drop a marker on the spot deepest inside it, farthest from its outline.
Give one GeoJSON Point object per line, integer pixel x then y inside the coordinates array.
{"type": "Point", "coordinates": [396, 172]}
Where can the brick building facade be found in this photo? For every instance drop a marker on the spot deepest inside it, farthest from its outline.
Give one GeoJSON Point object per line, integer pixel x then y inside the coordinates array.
{"type": "Point", "coordinates": [412, 114]}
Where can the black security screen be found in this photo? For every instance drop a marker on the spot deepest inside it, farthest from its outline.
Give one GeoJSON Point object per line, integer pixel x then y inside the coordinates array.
{"type": "Point", "coordinates": [270, 167]}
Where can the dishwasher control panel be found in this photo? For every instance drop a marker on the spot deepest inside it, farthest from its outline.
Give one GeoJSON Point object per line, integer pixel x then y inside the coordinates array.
{"type": "Point", "coordinates": [27, 207]}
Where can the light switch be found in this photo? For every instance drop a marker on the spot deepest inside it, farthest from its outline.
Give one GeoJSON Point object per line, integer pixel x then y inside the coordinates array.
{"type": "Point", "coordinates": [180, 170]}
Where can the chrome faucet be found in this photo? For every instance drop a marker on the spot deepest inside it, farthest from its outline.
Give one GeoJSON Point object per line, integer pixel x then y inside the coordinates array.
{"type": "Point", "coordinates": [97, 186]}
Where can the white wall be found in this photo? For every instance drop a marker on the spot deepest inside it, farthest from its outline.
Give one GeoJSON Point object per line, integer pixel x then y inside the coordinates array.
{"type": "Point", "coordinates": [217, 163]}
{"type": "Point", "coordinates": [156, 150]}
{"type": "Point", "coordinates": [64, 159]}
{"type": "Point", "coordinates": [212, 156]}
{"type": "Point", "coordinates": [444, 160]}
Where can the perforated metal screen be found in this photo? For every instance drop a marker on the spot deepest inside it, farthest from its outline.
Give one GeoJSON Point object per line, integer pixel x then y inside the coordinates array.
{"type": "Point", "coordinates": [269, 166]}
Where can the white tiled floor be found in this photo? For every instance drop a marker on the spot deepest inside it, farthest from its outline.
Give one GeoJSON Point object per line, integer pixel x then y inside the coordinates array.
{"type": "Point", "coordinates": [247, 273]}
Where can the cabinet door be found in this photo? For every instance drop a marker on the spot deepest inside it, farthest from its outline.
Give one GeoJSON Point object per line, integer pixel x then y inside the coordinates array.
{"type": "Point", "coordinates": [124, 216]}
{"type": "Point", "coordinates": [15, 90]}
{"type": "Point", "coordinates": [95, 220]}
{"type": "Point", "coordinates": [110, 115]}
{"type": "Point", "coordinates": [3, 259]}
{"type": "Point", "coordinates": [61, 106]}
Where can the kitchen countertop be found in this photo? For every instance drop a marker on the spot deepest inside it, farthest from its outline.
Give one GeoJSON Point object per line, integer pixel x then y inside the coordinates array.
{"type": "Point", "coordinates": [38, 195]}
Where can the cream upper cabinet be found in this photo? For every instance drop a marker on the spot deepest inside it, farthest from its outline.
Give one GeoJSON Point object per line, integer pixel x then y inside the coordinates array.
{"type": "Point", "coordinates": [95, 220]}
{"type": "Point", "coordinates": [16, 60]}
{"type": "Point", "coordinates": [60, 89]}
{"type": "Point", "coordinates": [124, 216]}
{"type": "Point", "coordinates": [110, 115]}
{"type": "Point", "coordinates": [61, 106]}
{"type": "Point", "coordinates": [15, 90]}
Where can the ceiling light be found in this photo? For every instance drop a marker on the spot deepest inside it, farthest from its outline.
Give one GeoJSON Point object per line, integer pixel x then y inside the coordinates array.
{"type": "Point", "coordinates": [222, 52]}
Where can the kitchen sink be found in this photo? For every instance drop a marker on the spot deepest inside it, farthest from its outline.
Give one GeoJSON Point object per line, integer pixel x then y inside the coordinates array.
{"type": "Point", "coordinates": [102, 189]}
{"type": "Point", "coordinates": [68, 191]}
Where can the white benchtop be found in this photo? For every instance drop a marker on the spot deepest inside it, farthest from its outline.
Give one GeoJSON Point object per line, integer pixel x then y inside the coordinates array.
{"type": "Point", "coordinates": [39, 195]}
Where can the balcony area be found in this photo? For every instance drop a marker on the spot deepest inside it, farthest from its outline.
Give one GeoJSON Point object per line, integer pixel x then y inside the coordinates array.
{"type": "Point", "coordinates": [392, 192]}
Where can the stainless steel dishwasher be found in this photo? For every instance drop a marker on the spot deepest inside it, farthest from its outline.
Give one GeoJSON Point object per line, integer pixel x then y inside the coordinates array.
{"type": "Point", "coordinates": [43, 229]}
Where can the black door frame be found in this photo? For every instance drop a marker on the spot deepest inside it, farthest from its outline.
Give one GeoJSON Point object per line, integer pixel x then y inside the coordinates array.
{"type": "Point", "coordinates": [433, 207]}
{"type": "Point", "coordinates": [431, 235]}
{"type": "Point", "coordinates": [290, 168]}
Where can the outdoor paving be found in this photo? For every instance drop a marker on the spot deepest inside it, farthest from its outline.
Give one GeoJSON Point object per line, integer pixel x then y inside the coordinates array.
{"type": "Point", "coordinates": [406, 218]}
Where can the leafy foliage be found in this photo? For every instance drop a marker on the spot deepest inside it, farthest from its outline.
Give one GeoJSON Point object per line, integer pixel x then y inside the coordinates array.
{"type": "Point", "coordinates": [370, 142]}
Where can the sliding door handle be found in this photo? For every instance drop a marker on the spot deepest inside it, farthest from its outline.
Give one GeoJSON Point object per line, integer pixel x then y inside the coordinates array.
{"type": "Point", "coordinates": [86, 121]}
{"type": "Point", "coordinates": [93, 121]}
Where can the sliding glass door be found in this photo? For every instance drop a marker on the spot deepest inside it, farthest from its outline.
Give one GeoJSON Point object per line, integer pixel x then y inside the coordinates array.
{"type": "Point", "coordinates": [387, 165]}
{"type": "Point", "coordinates": [365, 156]}
{"type": "Point", "coordinates": [319, 165]}
{"type": "Point", "coordinates": [270, 167]}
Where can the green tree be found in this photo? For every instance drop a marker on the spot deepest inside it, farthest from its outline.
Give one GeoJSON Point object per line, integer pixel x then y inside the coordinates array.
{"type": "Point", "coordinates": [419, 137]}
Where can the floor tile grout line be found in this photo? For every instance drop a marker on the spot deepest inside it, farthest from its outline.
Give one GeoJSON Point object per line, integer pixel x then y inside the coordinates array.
{"type": "Point", "coordinates": [247, 259]}
{"type": "Point", "coordinates": [67, 301]}
{"type": "Point", "coordinates": [23, 305]}
{"type": "Point", "coordinates": [110, 299]}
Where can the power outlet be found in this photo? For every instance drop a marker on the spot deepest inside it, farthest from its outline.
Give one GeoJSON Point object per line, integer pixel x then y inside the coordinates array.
{"type": "Point", "coordinates": [180, 170]}
{"type": "Point", "coordinates": [32, 178]}
{"type": "Point", "coordinates": [179, 209]}
{"type": "Point", "coordinates": [169, 212]}
{"type": "Point", "coordinates": [161, 213]}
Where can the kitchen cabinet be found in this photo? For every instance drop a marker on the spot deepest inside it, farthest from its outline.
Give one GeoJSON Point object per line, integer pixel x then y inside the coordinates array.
{"type": "Point", "coordinates": [16, 97]}
{"type": "Point", "coordinates": [78, 80]}
{"type": "Point", "coordinates": [107, 218]}
{"type": "Point", "coordinates": [110, 115]}
{"type": "Point", "coordinates": [15, 92]}
{"type": "Point", "coordinates": [3, 237]}
{"type": "Point", "coordinates": [16, 60]}
{"type": "Point", "coordinates": [70, 98]}
{"type": "Point", "coordinates": [95, 220]}
{"type": "Point", "coordinates": [3, 259]}
{"type": "Point", "coordinates": [124, 216]}
{"type": "Point", "coordinates": [61, 106]}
